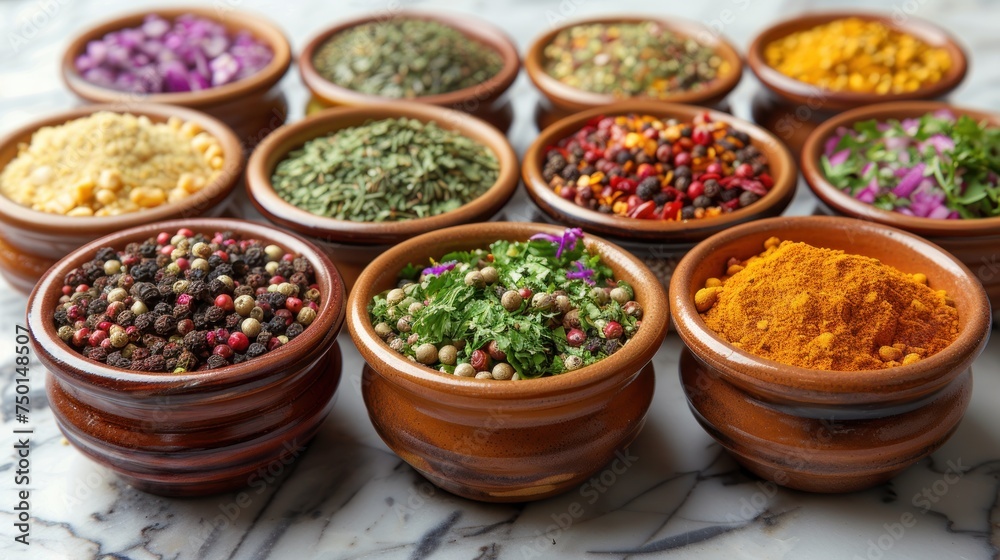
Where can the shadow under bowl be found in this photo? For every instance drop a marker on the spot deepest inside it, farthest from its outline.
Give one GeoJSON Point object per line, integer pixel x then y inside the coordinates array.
{"type": "Point", "coordinates": [819, 430]}
{"type": "Point", "coordinates": [506, 441]}
{"type": "Point", "coordinates": [200, 432]}
{"type": "Point", "coordinates": [32, 241]}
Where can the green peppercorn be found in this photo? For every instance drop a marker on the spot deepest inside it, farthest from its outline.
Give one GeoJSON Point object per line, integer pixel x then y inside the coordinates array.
{"type": "Point", "coordinates": [447, 354]}
{"type": "Point", "coordinates": [202, 250]}
{"type": "Point", "coordinates": [503, 371]}
{"type": "Point", "coordinates": [112, 267]}
{"type": "Point", "coordinates": [620, 295]}
{"type": "Point", "coordinates": [65, 333]}
{"type": "Point", "coordinates": [572, 363]}
{"type": "Point", "coordinates": [138, 307]}
{"type": "Point", "coordinates": [306, 316]}
{"type": "Point", "coordinates": [426, 353]}
{"type": "Point", "coordinates": [257, 313]}
{"type": "Point", "coordinates": [394, 296]}
{"type": "Point", "coordinates": [250, 327]}
{"type": "Point", "coordinates": [227, 281]}
{"type": "Point", "coordinates": [201, 264]}
{"type": "Point", "coordinates": [117, 294]}
{"type": "Point", "coordinates": [465, 370]}
{"type": "Point", "coordinates": [274, 252]}
{"type": "Point", "coordinates": [181, 286]}
{"type": "Point", "coordinates": [383, 330]}
{"type": "Point", "coordinates": [484, 375]}
{"type": "Point", "coordinates": [271, 268]}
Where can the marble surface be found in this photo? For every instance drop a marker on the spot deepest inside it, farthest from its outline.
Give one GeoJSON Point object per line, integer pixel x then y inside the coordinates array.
{"type": "Point", "coordinates": [347, 496]}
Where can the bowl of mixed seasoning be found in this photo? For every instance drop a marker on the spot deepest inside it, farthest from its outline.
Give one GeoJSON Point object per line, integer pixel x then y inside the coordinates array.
{"type": "Point", "coordinates": [457, 62]}
{"type": "Point", "coordinates": [360, 179]}
{"type": "Point", "coordinates": [657, 177]}
{"type": "Point", "coordinates": [827, 354]}
{"type": "Point", "coordinates": [223, 62]}
{"type": "Point", "coordinates": [821, 63]}
{"type": "Point", "coordinates": [507, 362]}
{"type": "Point", "coordinates": [929, 168]}
{"type": "Point", "coordinates": [185, 355]}
{"type": "Point", "coordinates": [87, 172]}
{"type": "Point", "coordinates": [595, 62]}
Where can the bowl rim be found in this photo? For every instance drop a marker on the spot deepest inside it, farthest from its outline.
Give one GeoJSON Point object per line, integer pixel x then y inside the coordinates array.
{"type": "Point", "coordinates": [266, 156]}
{"type": "Point", "coordinates": [801, 92]}
{"type": "Point", "coordinates": [778, 155]}
{"type": "Point", "coordinates": [848, 205]}
{"type": "Point", "coordinates": [45, 295]}
{"type": "Point", "coordinates": [392, 365]}
{"type": "Point", "coordinates": [23, 217]}
{"type": "Point", "coordinates": [577, 99]}
{"type": "Point", "coordinates": [709, 347]}
{"type": "Point", "coordinates": [474, 28]}
{"type": "Point", "coordinates": [262, 28]}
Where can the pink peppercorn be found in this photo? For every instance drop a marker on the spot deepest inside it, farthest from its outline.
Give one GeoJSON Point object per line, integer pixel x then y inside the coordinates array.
{"type": "Point", "coordinates": [185, 232]}
{"type": "Point", "coordinates": [225, 301]}
{"type": "Point", "coordinates": [239, 342]}
{"type": "Point", "coordinates": [184, 299]}
{"type": "Point", "coordinates": [97, 337]}
{"type": "Point", "coordinates": [163, 238]}
{"type": "Point", "coordinates": [223, 350]}
{"type": "Point", "coordinates": [293, 304]}
{"type": "Point", "coordinates": [167, 249]}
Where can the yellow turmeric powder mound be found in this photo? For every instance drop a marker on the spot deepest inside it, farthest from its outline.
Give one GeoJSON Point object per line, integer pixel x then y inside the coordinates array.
{"type": "Point", "coordinates": [825, 309]}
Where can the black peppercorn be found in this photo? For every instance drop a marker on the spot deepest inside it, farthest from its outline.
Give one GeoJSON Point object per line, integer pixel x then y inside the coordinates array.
{"type": "Point", "coordinates": [216, 361]}
{"type": "Point", "coordinates": [648, 188]}
{"type": "Point", "coordinates": [256, 349]}
{"type": "Point", "coordinates": [712, 188]}
{"type": "Point", "coordinates": [702, 202]}
{"type": "Point", "coordinates": [294, 330]}
{"type": "Point", "coordinates": [215, 314]}
{"type": "Point", "coordinates": [748, 198]}
{"type": "Point", "coordinates": [687, 213]}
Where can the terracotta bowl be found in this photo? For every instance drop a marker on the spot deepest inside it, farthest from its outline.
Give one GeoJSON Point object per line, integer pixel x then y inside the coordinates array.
{"type": "Point", "coordinates": [196, 433]}
{"type": "Point", "coordinates": [506, 441]}
{"type": "Point", "coordinates": [561, 100]}
{"type": "Point", "coordinates": [486, 100]}
{"type": "Point", "coordinates": [31, 241]}
{"type": "Point", "coordinates": [655, 239]}
{"type": "Point", "coordinates": [974, 242]}
{"type": "Point", "coordinates": [253, 107]}
{"type": "Point", "coordinates": [792, 109]}
{"type": "Point", "coordinates": [352, 245]}
{"type": "Point", "coordinates": [817, 430]}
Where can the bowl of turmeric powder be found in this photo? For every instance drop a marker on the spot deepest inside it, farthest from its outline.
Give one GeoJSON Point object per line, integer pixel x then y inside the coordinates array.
{"type": "Point", "coordinates": [80, 174]}
{"type": "Point", "coordinates": [827, 354]}
{"type": "Point", "coordinates": [821, 63]}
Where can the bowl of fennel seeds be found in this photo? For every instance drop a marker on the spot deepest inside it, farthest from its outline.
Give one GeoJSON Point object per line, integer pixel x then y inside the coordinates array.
{"type": "Point", "coordinates": [358, 180]}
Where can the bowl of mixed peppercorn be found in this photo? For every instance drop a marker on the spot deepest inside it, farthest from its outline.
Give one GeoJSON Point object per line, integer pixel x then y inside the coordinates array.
{"type": "Point", "coordinates": [507, 362]}
{"type": "Point", "coordinates": [654, 175]}
{"type": "Point", "coordinates": [594, 62]}
{"type": "Point", "coordinates": [185, 355]}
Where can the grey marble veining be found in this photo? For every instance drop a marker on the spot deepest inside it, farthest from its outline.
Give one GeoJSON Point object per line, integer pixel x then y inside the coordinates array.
{"type": "Point", "coordinates": [677, 495]}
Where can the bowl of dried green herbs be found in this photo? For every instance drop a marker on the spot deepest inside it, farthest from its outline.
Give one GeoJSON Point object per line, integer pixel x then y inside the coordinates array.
{"type": "Point", "coordinates": [358, 180]}
{"type": "Point", "coordinates": [507, 361]}
{"type": "Point", "coordinates": [450, 61]}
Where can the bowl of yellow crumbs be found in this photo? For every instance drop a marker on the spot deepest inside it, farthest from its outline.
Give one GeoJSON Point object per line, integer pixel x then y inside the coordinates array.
{"type": "Point", "coordinates": [80, 174]}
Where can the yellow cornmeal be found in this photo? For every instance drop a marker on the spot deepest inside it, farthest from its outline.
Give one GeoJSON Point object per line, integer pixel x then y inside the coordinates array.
{"type": "Point", "coordinates": [109, 163]}
{"type": "Point", "coordinates": [855, 55]}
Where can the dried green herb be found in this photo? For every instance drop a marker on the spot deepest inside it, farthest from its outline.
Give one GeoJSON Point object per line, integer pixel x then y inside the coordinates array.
{"type": "Point", "coordinates": [406, 58]}
{"type": "Point", "coordinates": [631, 59]}
{"type": "Point", "coordinates": [386, 170]}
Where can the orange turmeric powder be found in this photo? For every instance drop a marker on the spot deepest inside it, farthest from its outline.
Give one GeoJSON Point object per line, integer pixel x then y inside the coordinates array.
{"type": "Point", "coordinates": [825, 309]}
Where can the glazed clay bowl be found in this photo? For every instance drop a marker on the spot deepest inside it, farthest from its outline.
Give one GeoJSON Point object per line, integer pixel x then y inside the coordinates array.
{"type": "Point", "coordinates": [253, 107]}
{"type": "Point", "coordinates": [656, 238]}
{"type": "Point", "coordinates": [561, 100]}
{"type": "Point", "coordinates": [506, 441]}
{"type": "Point", "coordinates": [817, 430]}
{"type": "Point", "coordinates": [202, 432]}
{"type": "Point", "coordinates": [32, 241]}
{"type": "Point", "coordinates": [793, 109]}
{"type": "Point", "coordinates": [352, 245]}
{"type": "Point", "coordinates": [485, 101]}
{"type": "Point", "coordinates": [974, 242]}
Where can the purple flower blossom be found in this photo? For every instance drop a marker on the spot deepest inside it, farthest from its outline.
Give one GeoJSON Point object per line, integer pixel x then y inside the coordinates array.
{"type": "Point", "coordinates": [440, 269]}
{"type": "Point", "coordinates": [567, 241]}
{"type": "Point", "coordinates": [581, 273]}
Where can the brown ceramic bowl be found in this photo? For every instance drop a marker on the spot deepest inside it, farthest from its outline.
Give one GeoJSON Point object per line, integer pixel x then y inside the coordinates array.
{"type": "Point", "coordinates": [252, 107]}
{"type": "Point", "coordinates": [485, 100]}
{"type": "Point", "coordinates": [792, 109]}
{"type": "Point", "coordinates": [202, 432]}
{"type": "Point", "coordinates": [31, 241]}
{"type": "Point", "coordinates": [506, 441]}
{"type": "Point", "coordinates": [352, 245]}
{"type": "Point", "coordinates": [656, 232]}
{"type": "Point", "coordinates": [817, 430]}
{"type": "Point", "coordinates": [562, 100]}
{"type": "Point", "coordinates": [974, 242]}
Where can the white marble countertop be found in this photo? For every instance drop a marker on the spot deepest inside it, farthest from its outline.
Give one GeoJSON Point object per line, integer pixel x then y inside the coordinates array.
{"type": "Point", "coordinates": [349, 497]}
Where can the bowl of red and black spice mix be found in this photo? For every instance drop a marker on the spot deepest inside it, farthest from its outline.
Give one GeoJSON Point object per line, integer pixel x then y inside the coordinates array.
{"type": "Point", "coordinates": [186, 354]}
{"type": "Point", "coordinates": [537, 336]}
{"type": "Point", "coordinates": [827, 354]}
{"type": "Point", "coordinates": [594, 62]}
{"type": "Point", "coordinates": [655, 177]}
{"type": "Point", "coordinates": [929, 168]}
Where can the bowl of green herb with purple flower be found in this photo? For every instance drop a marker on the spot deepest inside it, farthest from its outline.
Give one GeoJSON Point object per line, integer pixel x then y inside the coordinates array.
{"type": "Point", "coordinates": [507, 361]}
{"type": "Point", "coordinates": [926, 167]}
